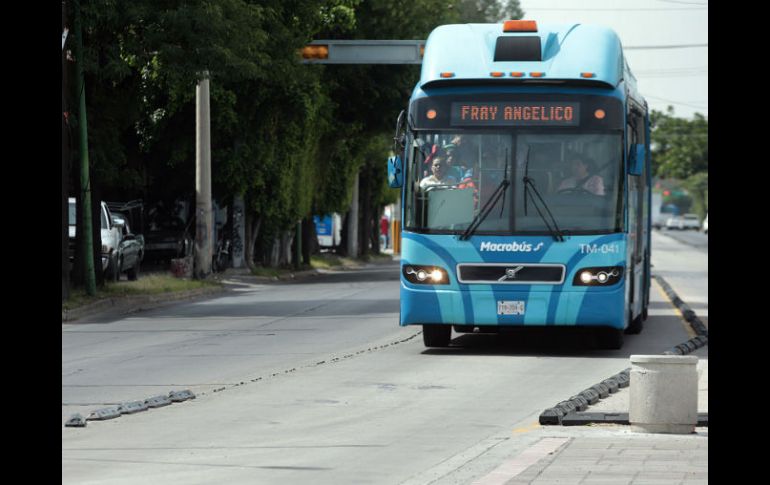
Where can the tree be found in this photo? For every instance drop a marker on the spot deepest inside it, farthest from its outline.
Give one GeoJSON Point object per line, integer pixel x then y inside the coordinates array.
{"type": "Point", "coordinates": [679, 145]}
{"type": "Point", "coordinates": [698, 186]}
{"type": "Point", "coordinates": [485, 11]}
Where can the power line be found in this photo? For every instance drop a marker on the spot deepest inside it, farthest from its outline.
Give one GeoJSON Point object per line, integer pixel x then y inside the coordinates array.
{"type": "Point", "coordinates": [680, 103]}
{"type": "Point", "coordinates": [670, 75]}
{"type": "Point", "coordinates": [684, 3]}
{"type": "Point", "coordinates": [669, 9]}
{"type": "Point", "coordinates": [678, 46]}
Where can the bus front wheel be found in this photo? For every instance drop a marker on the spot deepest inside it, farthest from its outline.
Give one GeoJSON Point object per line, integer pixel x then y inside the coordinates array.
{"type": "Point", "coordinates": [436, 335]}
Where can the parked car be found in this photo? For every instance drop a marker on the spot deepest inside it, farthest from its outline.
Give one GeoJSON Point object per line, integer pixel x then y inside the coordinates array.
{"type": "Point", "coordinates": [687, 221]}
{"type": "Point", "coordinates": [131, 249]}
{"type": "Point", "coordinates": [110, 238]}
{"type": "Point", "coordinates": [706, 225]}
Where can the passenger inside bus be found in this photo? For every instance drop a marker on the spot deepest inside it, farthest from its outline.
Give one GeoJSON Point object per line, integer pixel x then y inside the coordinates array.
{"type": "Point", "coordinates": [457, 157]}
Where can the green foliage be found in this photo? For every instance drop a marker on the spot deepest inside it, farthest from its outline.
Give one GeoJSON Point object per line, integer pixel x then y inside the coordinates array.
{"type": "Point", "coordinates": [289, 137]}
{"type": "Point", "coordinates": [679, 145]}
{"type": "Point", "coordinates": [485, 11]}
{"type": "Point", "coordinates": [698, 186]}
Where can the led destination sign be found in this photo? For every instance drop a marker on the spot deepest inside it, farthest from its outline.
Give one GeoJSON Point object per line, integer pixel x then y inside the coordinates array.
{"type": "Point", "coordinates": [515, 113]}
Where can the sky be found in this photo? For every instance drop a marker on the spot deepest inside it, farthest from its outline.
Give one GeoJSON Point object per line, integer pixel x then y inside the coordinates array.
{"type": "Point", "coordinates": [675, 77]}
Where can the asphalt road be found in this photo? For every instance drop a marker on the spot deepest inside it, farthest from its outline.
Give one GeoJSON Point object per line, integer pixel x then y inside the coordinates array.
{"type": "Point", "coordinates": [694, 239]}
{"type": "Point", "coordinates": [315, 381]}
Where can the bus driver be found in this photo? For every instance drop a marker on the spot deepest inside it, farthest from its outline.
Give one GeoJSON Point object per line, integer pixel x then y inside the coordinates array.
{"type": "Point", "coordinates": [439, 167]}
{"type": "Point", "coordinates": [581, 179]}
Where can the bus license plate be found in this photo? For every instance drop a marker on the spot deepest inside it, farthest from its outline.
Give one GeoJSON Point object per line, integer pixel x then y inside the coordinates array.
{"type": "Point", "coordinates": [510, 308]}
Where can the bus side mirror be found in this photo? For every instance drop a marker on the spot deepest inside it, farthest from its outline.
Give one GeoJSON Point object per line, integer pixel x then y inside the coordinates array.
{"type": "Point", "coordinates": [395, 172]}
{"type": "Point", "coordinates": [636, 159]}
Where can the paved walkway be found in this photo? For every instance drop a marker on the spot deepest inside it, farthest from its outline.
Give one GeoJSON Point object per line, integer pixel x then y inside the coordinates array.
{"type": "Point", "coordinates": [615, 454]}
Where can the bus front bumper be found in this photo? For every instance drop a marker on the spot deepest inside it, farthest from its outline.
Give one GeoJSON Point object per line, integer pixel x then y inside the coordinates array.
{"type": "Point", "coordinates": [556, 306]}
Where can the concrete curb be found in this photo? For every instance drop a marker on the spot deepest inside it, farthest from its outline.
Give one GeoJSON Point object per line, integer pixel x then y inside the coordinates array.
{"type": "Point", "coordinates": [582, 419]}
{"type": "Point", "coordinates": [567, 413]}
{"type": "Point", "coordinates": [131, 304]}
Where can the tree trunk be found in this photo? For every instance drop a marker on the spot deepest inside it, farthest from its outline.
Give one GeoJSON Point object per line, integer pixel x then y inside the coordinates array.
{"type": "Point", "coordinates": [286, 253]}
{"type": "Point", "coordinates": [309, 239]}
{"type": "Point", "coordinates": [252, 231]}
{"type": "Point", "coordinates": [365, 222]}
{"type": "Point", "coordinates": [375, 232]}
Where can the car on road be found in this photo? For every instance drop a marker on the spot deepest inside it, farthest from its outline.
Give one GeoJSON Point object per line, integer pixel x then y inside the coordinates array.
{"type": "Point", "coordinates": [687, 221]}
{"type": "Point", "coordinates": [131, 249]}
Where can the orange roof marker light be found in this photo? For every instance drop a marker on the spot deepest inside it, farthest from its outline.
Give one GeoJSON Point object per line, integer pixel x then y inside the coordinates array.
{"type": "Point", "coordinates": [447, 74]}
{"type": "Point", "coordinates": [315, 52]}
{"type": "Point", "coordinates": [600, 114]}
{"type": "Point", "coordinates": [537, 74]}
{"type": "Point", "coordinates": [431, 114]}
{"type": "Point", "coordinates": [587, 75]}
{"type": "Point", "coordinates": [520, 26]}
{"type": "Point", "coordinates": [517, 74]}
{"type": "Point", "coordinates": [496, 74]}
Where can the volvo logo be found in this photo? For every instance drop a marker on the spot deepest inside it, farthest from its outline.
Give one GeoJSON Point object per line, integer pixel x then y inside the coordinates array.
{"type": "Point", "coordinates": [510, 273]}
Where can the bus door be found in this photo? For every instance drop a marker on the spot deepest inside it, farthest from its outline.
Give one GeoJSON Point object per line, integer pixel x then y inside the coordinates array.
{"type": "Point", "coordinates": [638, 214]}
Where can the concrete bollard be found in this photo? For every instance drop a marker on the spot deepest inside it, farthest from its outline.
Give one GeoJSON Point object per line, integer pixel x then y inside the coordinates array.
{"type": "Point", "coordinates": [664, 393]}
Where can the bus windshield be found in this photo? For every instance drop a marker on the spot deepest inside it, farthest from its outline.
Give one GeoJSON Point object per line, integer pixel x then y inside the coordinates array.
{"type": "Point", "coordinates": [575, 177]}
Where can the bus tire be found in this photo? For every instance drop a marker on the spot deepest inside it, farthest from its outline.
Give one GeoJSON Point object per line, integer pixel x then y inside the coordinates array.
{"type": "Point", "coordinates": [636, 325]}
{"type": "Point", "coordinates": [436, 335]}
{"type": "Point", "coordinates": [610, 338]}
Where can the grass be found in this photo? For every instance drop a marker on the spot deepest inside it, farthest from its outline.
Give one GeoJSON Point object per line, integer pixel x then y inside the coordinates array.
{"type": "Point", "coordinates": [328, 260]}
{"type": "Point", "coordinates": [150, 284]}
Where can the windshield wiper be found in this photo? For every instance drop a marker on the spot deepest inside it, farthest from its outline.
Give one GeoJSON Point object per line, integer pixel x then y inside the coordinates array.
{"type": "Point", "coordinates": [555, 231]}
{"type": "Point", "coordinates": [491, 202]}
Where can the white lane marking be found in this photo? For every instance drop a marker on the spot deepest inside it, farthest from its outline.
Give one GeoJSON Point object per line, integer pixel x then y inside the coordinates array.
{"type": "Point", "coordinates": [527, 458]}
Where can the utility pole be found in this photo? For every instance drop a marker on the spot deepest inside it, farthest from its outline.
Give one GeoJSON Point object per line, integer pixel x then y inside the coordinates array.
{"type": "Point", "coordinates": [353, 222]}
{"type": "Point", "coordinates": [85, 182]}
{"type": "Point", "coordinates": [65, 157]}
{"type": "Point", "coordinates": [203, 216]}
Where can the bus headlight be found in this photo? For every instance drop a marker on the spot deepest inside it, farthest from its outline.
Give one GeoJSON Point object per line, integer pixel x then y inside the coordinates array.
{"type": "Point", "coordinates": [425, 275]}
{"type": "Point", "coordinates": [600, 276]}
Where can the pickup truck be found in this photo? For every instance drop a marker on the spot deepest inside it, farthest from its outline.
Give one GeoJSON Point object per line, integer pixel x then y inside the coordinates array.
{"type": "Point", "coordinates": [110, 237]}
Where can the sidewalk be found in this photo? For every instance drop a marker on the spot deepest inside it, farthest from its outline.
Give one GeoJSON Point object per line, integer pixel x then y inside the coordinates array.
{"type": "Point", "coordinates": [615, 453]}
{"type": "Point", "coordinates": [611, 454]}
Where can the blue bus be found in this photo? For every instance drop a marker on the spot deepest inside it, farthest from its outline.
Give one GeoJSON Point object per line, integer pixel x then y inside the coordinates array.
{"type": "Point", "coordinates": [524, 163]}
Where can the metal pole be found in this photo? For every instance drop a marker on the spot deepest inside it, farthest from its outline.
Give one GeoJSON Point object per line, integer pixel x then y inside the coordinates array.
{"type": "Point", "coordinates": [65, 157]}
{"type": "Point", "coordinates": [353, 222]}
{"type": "Point", "coordinates": [203, 216]}
{"type": "Point", "coordinates": [85, 182]}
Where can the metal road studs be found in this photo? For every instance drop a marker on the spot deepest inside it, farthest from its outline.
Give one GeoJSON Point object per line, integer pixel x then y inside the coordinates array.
{"type": "Point", "coordinates": [179, 396]}
{"type": "Point", "coordinates": [157, 401]}
{"type": "Point", "coordinates": [104, 413]}
{"type": "Point", "coordinates": [132, 407]}
{"type": "Point", "coordinates": [77, 421]}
